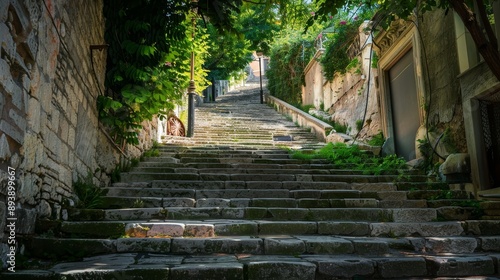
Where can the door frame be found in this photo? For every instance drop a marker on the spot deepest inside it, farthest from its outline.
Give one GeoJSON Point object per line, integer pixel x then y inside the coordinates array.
{"type": "Point", "coordinates": [406, 41]}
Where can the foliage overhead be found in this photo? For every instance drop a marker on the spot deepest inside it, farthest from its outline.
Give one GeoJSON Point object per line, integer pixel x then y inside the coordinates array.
{"type": "Point", "coordinates": [148, 63]}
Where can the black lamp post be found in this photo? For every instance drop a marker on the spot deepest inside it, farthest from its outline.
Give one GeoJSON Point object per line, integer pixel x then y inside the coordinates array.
{"type": "Point", "coordinates": [192, 86]}
{"type": "Point", "coordinates": [259, 54]}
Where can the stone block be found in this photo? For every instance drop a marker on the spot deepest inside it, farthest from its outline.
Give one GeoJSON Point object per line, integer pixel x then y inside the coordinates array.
{"type": "Point", "coordinates": [272, 202]}
{"type": "Point", "coordinates": [237, 228]}
{"type": "Point", "coordinates": [401, 267]}
{"type": "Point", "coordinates": [208, 271]}
{"type": "Point", "coordinates": [414, 215]}
{"type": "Point", "coordinates": [490, 243]}
{"type": "Point", "coordinates": [454, 213]}
{"type": "Point", "coordinates": [178, 202]}
{"type": "Point", "coordinates": [233, 213]}
{"type": "Point", "coordinates": [365, 246]}
{"type": "Point", "coordinates": [391, 195]}
{"type": "Point", "coordinates": [64, 248]}
{"type": "Point", "coordinates": [361, 203]}
{"type": "Point", "coordinates": [344, 228]}
{"type": "Point", "coordinates": [327, 245]}
{"type": "Point", "coordinates": [227, 245]}
{"type": "Point", "coordinates": [212, 202]}
{"type": "Point", "coordinates": [164, 229]}
{"type": "Point", "coordinates": [460, 266]}
{"type": "Point", "coordinates": [254, 213]}
{"type": "Point", "coordinates": [134, 214]}
{"type": "Point", "coordinates": [480, 227]}
{"type": "Point", "coordinates": [3, 218]}
{"type": "Point", "coordinates": [284, 246]}
{"type": "Point", "coordinates": [6, 81]}
{"type": "Point", "coordinates": [94, 229]}
{"type": "Point", "coordinates": [199, 230]}
{"type": "Point", "coordinates": [340, 194]}
{"type": "Point", "coordinates": [151, 245]}
{"type": "Point", "coordinates": [11, 131]}
{"type": "Point", "coordinates": [288, 227]}
{"type": "Point", "coordinates": [240, 202]}
{"type": "Point", "coordinates": [454, 245]}
{"type": "Point", "coordinates": [313, 203]}
{"type": "Point", "coordinates": [456, 163]}
{"type": "Point", "coordinates": [5, 152]}
{"type": "Point", "coordinates": [26, 220]}
{"type": "Point", "coordinates": [280, 270]}
{"type": "Point", "coordinates": [343, 267]}
{"type": "Point", "coordinates": [416, 229]}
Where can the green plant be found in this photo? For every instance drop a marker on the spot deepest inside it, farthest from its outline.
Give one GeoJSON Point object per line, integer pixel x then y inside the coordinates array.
{"type": "Point", "coordinates": [288, 59]}
{"type": "Point", "coordinates": [359, 125]}
{"type": "Point", "coordinates": [344, 156]}
{"type": "Point", "coordinates": [341, 128]}
{"type": "Point", "coordinates": [89, 195]}
{"type": "Point", "coordinates": [148, 63]}
{"type": "Point", "coordinates": [138, 203]}
{"type": "Point", "coordinates": [377, 139]}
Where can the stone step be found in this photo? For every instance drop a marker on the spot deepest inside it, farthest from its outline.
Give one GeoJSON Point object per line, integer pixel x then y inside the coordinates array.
{"type": "Point", "coordinates": [480, 229]}
{"type": "Point", "coordinates": [142, 176]}
{"type": "Point", "coordinates": [229, 168]}
{"type": "Point", "coordinates": [117, 202]}
{"type": "Point", "coordinates": [272, 213]}
{"type": "Point", "coordinates": [277, 267]}
{"type": "Point", "coordinates": [172, 242]}
{"type": "Point", "coordinates": [334, 192]}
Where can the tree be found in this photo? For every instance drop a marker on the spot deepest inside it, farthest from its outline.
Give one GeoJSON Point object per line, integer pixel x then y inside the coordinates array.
{"type": "Point", "coordinates": [485, 41]}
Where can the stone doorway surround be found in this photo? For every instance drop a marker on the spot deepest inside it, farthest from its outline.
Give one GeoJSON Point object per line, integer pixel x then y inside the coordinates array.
{"type": "Point", "coordinates": [477, 83]}
{"type": "Point", "coordinates": [393, 44]}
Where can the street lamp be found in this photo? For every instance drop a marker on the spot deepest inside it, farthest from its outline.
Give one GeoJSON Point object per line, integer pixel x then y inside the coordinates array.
{"type": "Point", "coordinates": [192, 86]}
{"type": "Point", "coordinates": [259, 54]}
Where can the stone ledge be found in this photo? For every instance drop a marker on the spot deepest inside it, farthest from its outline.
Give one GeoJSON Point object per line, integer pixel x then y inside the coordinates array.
{"type": "Point", "coordinates": [318, 127]}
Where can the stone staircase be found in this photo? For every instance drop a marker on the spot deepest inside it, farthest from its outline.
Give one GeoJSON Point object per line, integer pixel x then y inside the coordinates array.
{"type": "Point", "coordinates": [231, 203]}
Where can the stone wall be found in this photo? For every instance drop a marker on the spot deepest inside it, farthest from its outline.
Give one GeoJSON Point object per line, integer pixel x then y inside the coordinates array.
{"type": "Point", "coordinates": [49, 130]}
{"type": "Point", "coordinates": [442, 86]}
{"type": "Point", "coordinates": [345, 96]}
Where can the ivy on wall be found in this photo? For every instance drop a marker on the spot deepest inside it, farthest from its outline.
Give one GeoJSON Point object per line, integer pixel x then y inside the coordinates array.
{"type": "Point", "coordinates": [345, 28]}
{"type": "Point", "coordinates": [148, 66]}
{"type": "Point", "coordinates": [289, 57]}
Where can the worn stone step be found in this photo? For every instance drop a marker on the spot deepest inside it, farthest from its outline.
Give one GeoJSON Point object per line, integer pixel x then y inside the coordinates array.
{"type": "Point", "coordinates": [367, 214]}
{"type": "Point", "coordinates": [487, 232]}
{"type": "Point", "coordinates": [277, 267]}
{"type": "Point", "coordinates": [116, 202]}
{"type": "Point", "coordinates": [141, 177]}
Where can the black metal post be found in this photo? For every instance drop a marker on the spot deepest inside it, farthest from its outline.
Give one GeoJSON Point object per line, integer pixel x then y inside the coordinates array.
{"type": "Point", "coordinates": [191, 93]}
{"type": "Point", "coordinates": [192, 86]}
{"type": "Point", "coordinates": [260, 76]}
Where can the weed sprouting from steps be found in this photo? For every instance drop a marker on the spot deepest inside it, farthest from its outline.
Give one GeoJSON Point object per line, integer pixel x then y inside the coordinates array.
{"type": "Point", "coordinates": [153, 152]}
{"type": "Point", "coordinates": [89, 195]}
{"type": "Point", "coordinates": [352, 157]}
{"type": "Point", "coordinates": [138, 203]}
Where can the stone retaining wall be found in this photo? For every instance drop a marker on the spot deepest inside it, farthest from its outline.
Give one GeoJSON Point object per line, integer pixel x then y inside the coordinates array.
{"type": "Point", "coordinates": [318, 127]}
{"type": "Point", "coordinates": [49, 129]}
{"type": "Point", "coordinates": [344, 96]}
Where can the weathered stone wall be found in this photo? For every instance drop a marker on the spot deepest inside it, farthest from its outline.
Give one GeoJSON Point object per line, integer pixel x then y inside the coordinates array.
{"type": "Point", "coordinates": [442, 86]}
{"type": "Point", "coordinates": [346, 96]}
{"type": "Point", "coordinates": [49, 130]}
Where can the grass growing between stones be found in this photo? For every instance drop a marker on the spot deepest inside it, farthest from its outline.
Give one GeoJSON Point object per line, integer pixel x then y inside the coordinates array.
{"type": "Point", "coordinates": [89, 195]}
{"type": "Point", "coordinates": [351, 157]}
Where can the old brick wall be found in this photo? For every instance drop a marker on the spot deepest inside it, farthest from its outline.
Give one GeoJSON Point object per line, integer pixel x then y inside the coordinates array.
{"type": "Point", "coordinates": [49, 130]}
